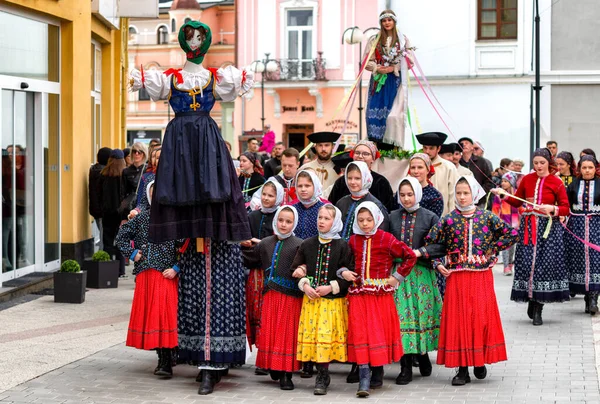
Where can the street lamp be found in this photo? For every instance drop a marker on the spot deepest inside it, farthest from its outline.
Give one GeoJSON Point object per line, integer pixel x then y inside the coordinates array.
{"type": "Point", "coordinates": [261, 66]}
{"type": "Point", "coordinates": [352, 36]}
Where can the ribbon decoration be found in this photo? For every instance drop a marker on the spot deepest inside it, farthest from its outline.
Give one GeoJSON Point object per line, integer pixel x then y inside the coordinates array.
{"type": "Point", "coordinates": [548, 225]}
{"type": "Point", "coordinates": [380, 79]}
{"type": "Point", "coordinates": [586, 243]}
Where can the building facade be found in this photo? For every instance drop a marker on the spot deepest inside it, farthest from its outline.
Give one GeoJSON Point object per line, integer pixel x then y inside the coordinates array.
{"type": "Point", "coordinates": [61, 76]}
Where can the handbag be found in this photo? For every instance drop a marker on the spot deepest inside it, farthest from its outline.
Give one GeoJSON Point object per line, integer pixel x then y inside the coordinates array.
{"type": "Point", "coordinates": [129, 202]}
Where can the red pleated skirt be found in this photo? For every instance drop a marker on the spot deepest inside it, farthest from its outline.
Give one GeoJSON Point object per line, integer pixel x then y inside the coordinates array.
{"type": "Point", "coordinates": [254, 299]}
{"type": "Point", "coordinates": [153, 320]}
{"type": "Point", "coordinates": [278, 337]}
{"type": "Point", "coordinates": [471, 330]}
{"type": "Point", "coordinates": [373, 330]}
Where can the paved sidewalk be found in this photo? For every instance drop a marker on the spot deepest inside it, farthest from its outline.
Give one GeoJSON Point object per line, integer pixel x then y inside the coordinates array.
{"type": "Point", "coordinates": [552, 363]}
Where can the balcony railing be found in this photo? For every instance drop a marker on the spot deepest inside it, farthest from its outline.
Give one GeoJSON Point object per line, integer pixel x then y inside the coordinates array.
{"type": "Point", "coordinates": [298, 69]}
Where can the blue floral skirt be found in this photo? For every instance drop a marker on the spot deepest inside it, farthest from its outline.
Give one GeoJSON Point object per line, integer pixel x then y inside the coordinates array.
{"type": "Point", "coordinates": [379, 105]}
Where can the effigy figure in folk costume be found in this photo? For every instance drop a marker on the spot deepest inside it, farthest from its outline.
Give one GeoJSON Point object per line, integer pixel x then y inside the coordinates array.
{"type": "Point", "coordinates": [198, 197]}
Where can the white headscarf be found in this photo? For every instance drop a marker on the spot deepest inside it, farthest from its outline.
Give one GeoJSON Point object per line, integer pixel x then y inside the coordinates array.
{"type": "Point", "coordinates": [377, 216]}
{"type": "Point", "coordinates": [476, 190]}
{"type": "Point", "coordinates": [365, 174]}
{"type": "Point", "coordinates": [278, 199]}
{"type": "Point", "coordinates": [148, 192]}
{"type": "Point", "coordinates": [417, 189]}
{"type": "Point", "coordinates": [336, 227]}
{"type": "Point", "coordinates": [318, 187]}
{"type": "Point", "coordinates": [276, 230]}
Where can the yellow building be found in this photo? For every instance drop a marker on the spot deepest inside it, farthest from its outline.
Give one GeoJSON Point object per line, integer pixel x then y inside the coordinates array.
{"type": "Point", "coordinates": [62, 70]}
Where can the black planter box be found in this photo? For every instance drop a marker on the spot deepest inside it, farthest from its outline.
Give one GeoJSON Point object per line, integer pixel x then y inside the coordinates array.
{"type": "Point", "coordinates": [69, 287]}
{"type": "Point", "coordinates": [102, 275]}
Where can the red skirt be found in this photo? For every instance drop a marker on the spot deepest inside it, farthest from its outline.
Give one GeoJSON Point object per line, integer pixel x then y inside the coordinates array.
{"type": "Point", "coordinates": [153, 321]}
{"type": "Point", "coordinates": [278, 337]}
{"type": "Point", "coordinates": [373, 330]}
{"type": "Point", "coordinates": [471, 330]}
{"type": "Point", "coordinates": [254, 300]}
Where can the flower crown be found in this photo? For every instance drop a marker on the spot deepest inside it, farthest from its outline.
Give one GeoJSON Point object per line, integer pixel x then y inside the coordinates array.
{"type": "Point", "coordinates": [388, 15]}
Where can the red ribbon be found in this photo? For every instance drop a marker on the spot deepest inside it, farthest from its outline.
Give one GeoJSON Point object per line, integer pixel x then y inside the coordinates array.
{"type": "Point", "coordinates": [184, 247]}
{"type": "Point", "coordinates": [176, 73]}
{"type": "Point", "coordinates": [533, 221]}
{"type": "Point", "coordinates": [214, 70]}
{"type": "Point", "coordinates": [143, 77]}
{"type": "Point", "coordinates": [243, 77]}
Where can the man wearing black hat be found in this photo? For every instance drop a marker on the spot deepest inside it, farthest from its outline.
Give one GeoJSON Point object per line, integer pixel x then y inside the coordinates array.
{"type": "Point", "coordinates": [478, 166]}
{"type": "Point", "coordinates": [452, 153]}
{"type": "Point", "coordinates": [444, 178]}
{"type": "Point", "coordinates": [323, 165]}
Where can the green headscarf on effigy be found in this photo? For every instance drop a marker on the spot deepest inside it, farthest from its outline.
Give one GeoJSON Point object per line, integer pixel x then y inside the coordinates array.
{"type": "Point", "coordinates": [196, 56]}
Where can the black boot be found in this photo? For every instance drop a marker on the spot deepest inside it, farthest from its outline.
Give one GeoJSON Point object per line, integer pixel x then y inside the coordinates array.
{"type": "Point", "coordinates": [530, 307]}
{"type": "Point", "coordinates": [275, 374]}
{"type": "Point", "coordinates": [353, 375]}
{"type": "Point", "coordinates": [285, 382]}
{"type": "Point", "coordinates": [159, 353]}
{"type": "Point", "coordinates": [364, 382]}
{"type": "Point", "coordinates": [480, 372]}
{"type": "Point", "coordinates": [405, 375]}
{"type": "Point", "coordinates": [208, 382]}
{"type": "Point", "coordinates": [307, 370]}
{"type": "Point", "coordinates": [322, 381]}
{"type": "Point", "coordinates": [462, 377]}
{"type": "Point", "coordinates": [376, 377]}
{"type": "Point", "coordinates": [174, 356]}
{"type": "Point", "coordinates": [415, 360]}
{"type": "Point", "coordinates": [261, 372]}
{"type": "Point", "coordinates": [165, 366]}
{"type": "Point", "coordinates": [537, 313]}
{"type": "Point", "coordinates": [425, 367]}
{"type": "Point", "coordinates": [586, 299]}
{"type": "Point", "coordinates": [593, 303]}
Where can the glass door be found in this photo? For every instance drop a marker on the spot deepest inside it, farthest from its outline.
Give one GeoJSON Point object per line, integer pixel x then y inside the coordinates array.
{"type": "Point", "coordinates": [18, 182]}
{"type": "Point", "coordinates": [300, 41]}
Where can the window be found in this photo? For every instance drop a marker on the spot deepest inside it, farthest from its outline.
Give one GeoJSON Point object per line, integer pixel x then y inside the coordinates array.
{"type": "Point", "coordinates": [143, 95]}
{"type": "Point", "coordinates": [187, 19]}
{"type": "Point", "coordinates": [162, 35]}
{"type": "Point", "coordinates": [173, 25]}
{"type": "Point", "coordinates": [497, 19]}
{"type": "Point", "coordinates": [132, 30]}
{"type": "Point", "coordinates": [299, 27]}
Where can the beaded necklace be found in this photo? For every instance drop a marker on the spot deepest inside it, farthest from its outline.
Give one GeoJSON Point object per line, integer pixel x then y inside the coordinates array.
{"type": "Point", "coordinates": [408, 220]}
{"type": "Point", "coordinates": [262, 220]}
{"type": "Point", "coordinates": [347, 232]}
{"type": "Point", "coordinates": [275, 260]}
{"type": "Point", "coordinates": [323, 257]}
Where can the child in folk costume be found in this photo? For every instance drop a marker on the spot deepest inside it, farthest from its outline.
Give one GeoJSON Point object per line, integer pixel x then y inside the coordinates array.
{"type": "Point", "coordinates": [358, 180]}
{"type": "Point", "coordinates": [261, 226]}
{"type": "Point", "coordinates": [373, 329]}
{"type": "Point", "coordinates": [418, 299]}
{"type": "Point", "coordinates": [324, 318]}
{"type": "Point", "coordinates": [153, 322]}
{"type": "Point", "coordinates": [471, 330]}
{"type": "Point", "coordinates": [510, 215]}
{"type": "Point", "coordinates": [282, 301]}
{"type": "Point", "coordinates": [308, 191]}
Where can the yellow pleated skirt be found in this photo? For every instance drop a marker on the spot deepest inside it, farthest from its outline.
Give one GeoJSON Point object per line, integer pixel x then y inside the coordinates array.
{"type": "Point", "coordinates": [323, 330]}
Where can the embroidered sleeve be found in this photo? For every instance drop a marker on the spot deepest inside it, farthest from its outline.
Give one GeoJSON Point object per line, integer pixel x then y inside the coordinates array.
{"type": "Point", "coordinates": [433, 249]}
{"type": "Point", "coordinates": [503, 234]}
{"type": "Point", "coordinates": [127, 233]}
{"type": "Point", "coordinates": [231, 81]}
{"type": "Point", "coordinates": [409, 259]}
{"type": "Point", "coordinates": [562, 200]}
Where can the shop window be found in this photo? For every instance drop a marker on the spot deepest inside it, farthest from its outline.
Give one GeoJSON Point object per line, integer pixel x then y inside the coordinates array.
{"type": "Point", "coordinates": [162, 35]}
{"type": "Point", "coordinates": [497, 19]}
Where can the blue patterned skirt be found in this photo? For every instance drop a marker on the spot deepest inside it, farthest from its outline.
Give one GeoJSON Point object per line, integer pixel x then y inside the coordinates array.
{"type": "Point", "coordinates": [212, 309]}
{"type": "Point", "coordinates": [379, 106]}
{"type": "Point", "coordinates": [583, 263]}
{"type": "Point", "coordinates": [540, 271]}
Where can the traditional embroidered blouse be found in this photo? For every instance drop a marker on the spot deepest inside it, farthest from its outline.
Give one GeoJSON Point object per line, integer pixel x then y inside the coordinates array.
{"type": "Point", "coordinates": [307, 220]}
{"type": "Point", "coordinates": [548, 190]}
{"type": "Point", "coordinates": [412, 228]}
{"type": "Point", "coordinates": [584, 196]}
{"type": "Point", "coordinates": [261, 224]}
{"type": "Point", "coordinates": [347, 205]}
{"type": "Point", "coordinates": [373, 257]}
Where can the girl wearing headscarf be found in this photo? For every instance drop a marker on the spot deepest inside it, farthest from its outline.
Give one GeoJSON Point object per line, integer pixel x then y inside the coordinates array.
{"type": "Point", "coordinates": [282, 301]}
{"type": "Point", "coordinates": [308, 191]}
{"type": "Point", "coordinates": [540, 275]}
{"type": "Point", "coordinates": [421, 169]}
{"type": "Point", "coordinates": [153, 321]}
{"type": "Point", "coordinates": [584, 262]}
{"type": "Point", "coordinates": [250, 178]}
{"type": "Point", "coordinates": [567, 168]}
{"type": "Point", "coordinates": [510, 215]}
{"type": "Point", "coordinates": [418, 300]}
{"type": "Point", "coordinates": [471, 330]}
{"type": "Point", "coordinates": [324, 318]}
{"type": "Point", "coordinates": [373, 329]}
{"type": "Point", "coordinates": [261, 226]}
{"type": "Point", "coordinates": [359, 180]}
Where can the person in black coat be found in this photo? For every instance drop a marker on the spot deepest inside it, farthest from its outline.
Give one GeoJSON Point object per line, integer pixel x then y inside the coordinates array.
{"type": "Point", "coordinates": [95, 203]}
{"type": "Point", "coordinates": [133, 173]}
{"type": "Point", "coordinates": [273, 165]}
{"type": "Point", "coordinates": [250, 179]}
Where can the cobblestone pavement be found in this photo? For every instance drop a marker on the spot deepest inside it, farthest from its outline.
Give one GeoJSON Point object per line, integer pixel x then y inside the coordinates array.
{"type": "Point", "coordinates": [552, 363]}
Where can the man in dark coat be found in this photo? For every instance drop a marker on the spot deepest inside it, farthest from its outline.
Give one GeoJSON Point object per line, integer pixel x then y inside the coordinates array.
{"type": "Point", "coordinates": [95, 203]}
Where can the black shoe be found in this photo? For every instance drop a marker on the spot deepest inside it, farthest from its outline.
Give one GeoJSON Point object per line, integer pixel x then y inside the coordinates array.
{"type": "Point", "coordinates": [364, 382]}
{"type": "Point", "coordinates": [285, 382]}
{"type": "Point", "coordinates": [537, 314]}
{"type": "Point", "coordinates": [261, 372]}
{"type": "Point", "coordinates": [275, 375]}
{"type": "Point", "coordinates": [159, 353]}
{"type": "Point", "coordinates": [223, 372]}
{"type": "Point", "coordinates": [593, 303]}
{"type": "Point", "coordinates": [414, 360]}
{"type": "Point", "coordinates": [307, 370]}
{"type": "Point", "coordinates": [405, 375]}
{"type": "Point", "coordinates": [376, 377]}
{"type": "Point", "coordinates": [199, 377]}
{"type": "Point", "coordinates": [480, 372]}
{"type": "Point", "coordinates": [425, 367]}
{"type": "Point", "coordinates": [208, 382]}
{"type": "Point", "coordinates": [572, 294]}
{"type": "Point", "coordinates": [165, 368]}
{"type": "Point", "coordinates": [353, 375]}
{"type": "Point", "coordinates": [586, 299]}
{"type": "Point", "coordinates": [530, 307]}
{"type": "Point", "coordinates": [462, 377]}
{"type": "Point", "coordinates": [175, 356]}
{"type": "Point", "coordinates": [322, 381]}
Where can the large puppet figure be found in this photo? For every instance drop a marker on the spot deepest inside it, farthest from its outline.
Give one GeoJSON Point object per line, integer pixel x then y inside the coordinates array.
{"type": "Point", "coordinates": [388, 96]}
{"type": "Point", "coordinates": [198, 198]}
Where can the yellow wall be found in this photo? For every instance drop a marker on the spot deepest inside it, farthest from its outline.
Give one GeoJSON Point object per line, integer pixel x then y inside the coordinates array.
{"type": "Point", "coordinates": [78, 27]}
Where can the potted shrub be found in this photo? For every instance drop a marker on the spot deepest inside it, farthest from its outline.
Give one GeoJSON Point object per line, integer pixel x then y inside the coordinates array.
{"type": "Point", "coordinates": [102, 272]}
{"type": "Point", "coordinates": [69, 283]}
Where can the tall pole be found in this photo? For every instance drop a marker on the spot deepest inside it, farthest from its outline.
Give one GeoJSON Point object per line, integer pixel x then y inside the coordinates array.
{"type": "Point", "coordinates": [262, 92]}
{"type": "Point", "coordinates": [537, 88]}
{"type": "Point", "coordinates": [360, 104]}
